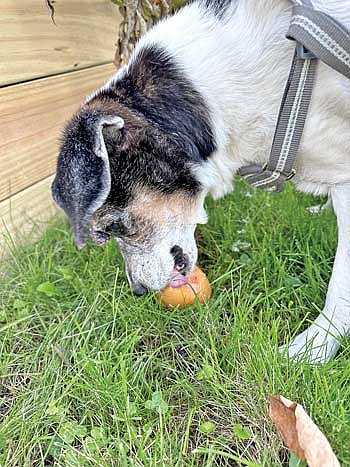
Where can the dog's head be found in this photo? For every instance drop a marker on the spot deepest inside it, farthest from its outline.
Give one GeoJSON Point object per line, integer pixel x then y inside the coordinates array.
{"type": "Point", "coordinates": [119, 177]}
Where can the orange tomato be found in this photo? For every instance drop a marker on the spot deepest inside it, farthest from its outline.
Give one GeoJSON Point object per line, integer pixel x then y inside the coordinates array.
{"type": "Point", "coordinates": [198, 288]}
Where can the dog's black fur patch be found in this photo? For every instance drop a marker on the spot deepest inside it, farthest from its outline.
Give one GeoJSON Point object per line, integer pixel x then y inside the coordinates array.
{"type": "Point", "coordinates": [156, 88]}
{"type": "Point", "coordinates": [167, 130]}
{"type": "Point", "coordinates": [81, 175]}
{"type": "Point", "coordinates": [152, 160]}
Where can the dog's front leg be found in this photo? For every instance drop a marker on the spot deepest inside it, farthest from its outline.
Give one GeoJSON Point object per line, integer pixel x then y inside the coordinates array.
{"type": "Point", "coordinates": [321, 340]}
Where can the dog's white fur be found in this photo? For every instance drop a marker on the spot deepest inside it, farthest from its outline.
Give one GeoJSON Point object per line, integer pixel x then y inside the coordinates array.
{"type": "Point", "coordinates": [240, 64]}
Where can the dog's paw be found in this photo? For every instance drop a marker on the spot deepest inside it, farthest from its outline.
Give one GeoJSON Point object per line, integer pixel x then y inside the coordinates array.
{"type": "Point", "coordinates": [315, 346]}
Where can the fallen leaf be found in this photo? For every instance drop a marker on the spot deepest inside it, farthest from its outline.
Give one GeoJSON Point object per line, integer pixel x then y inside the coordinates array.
{"type": "Point", "coordinates": [285, 420]}
{"type": "Point", "coordinates": [300, 433]}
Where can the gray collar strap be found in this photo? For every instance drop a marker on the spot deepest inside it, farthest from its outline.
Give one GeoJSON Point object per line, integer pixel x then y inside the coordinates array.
{"type": "Point", "coordinates": [317, 36]}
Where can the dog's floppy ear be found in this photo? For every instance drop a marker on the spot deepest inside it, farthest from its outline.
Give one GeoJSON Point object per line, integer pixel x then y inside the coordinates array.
{"type": "Point", "coordinates": [83, 179]}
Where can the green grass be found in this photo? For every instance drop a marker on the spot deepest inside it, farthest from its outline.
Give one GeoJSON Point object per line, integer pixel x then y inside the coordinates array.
{"type": "Point", "coordinates": [93, 376]}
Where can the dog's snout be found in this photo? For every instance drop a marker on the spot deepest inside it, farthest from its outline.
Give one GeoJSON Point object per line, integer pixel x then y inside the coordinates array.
{"type": "Point", "coordinates": [139, 289]}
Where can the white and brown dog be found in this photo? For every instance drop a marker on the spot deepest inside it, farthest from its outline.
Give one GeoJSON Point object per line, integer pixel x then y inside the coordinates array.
{"type": "Point", "coordinates": [197, 101]}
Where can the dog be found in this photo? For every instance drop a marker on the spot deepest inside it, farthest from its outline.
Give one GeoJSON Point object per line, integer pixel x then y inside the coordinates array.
{"type": "Point", "coordinates": [198, 100]}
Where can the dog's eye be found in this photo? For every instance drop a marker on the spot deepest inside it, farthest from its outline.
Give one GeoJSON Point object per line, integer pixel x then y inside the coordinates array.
{"type": "Point", "coordinates": [117, 228]}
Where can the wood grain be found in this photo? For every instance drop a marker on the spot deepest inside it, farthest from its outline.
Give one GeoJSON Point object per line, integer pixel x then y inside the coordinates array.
{"type": "Point", "coordinates": [24, 216]}
{"type": "Point", "coordinates": [33, 46]}
{"type": "Point", "coordinates": [31, 117]}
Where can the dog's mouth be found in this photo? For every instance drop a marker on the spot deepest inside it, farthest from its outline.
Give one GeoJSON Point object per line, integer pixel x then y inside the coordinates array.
{"type": "Point", "coordinates": [178, 280]}
{"type": "Point", "coordinates": [181, 268]}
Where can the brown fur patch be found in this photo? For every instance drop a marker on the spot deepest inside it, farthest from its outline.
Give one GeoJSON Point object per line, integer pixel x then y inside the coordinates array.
{"type": "Point", "coordinates": [161, 208]}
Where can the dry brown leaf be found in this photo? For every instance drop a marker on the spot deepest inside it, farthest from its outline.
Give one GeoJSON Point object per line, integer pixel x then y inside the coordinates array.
{"type": "Point", "coordinates": [300, 433]}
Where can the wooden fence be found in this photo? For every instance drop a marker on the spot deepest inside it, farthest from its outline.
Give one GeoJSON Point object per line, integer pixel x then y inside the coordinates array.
{"type": "Point", "coordinates": [46, 70]}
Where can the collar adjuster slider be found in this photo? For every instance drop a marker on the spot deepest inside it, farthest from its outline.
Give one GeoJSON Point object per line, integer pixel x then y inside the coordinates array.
{"type": "Point", "coordinates": [303, 53]}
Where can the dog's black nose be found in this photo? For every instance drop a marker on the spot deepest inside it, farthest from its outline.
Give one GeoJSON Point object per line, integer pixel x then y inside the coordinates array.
{"type": "Point", "coordinates": [181, 260]}
{"type": "Point", "coordinates": [139, 289]}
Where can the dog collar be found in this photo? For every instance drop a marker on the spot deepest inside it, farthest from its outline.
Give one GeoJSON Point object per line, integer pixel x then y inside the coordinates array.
{"type": "Point", "coordinates": [317, 36]}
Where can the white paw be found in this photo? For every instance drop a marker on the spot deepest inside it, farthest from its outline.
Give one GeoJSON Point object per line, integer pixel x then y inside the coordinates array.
{"type": "Point", "coordinates": [315, 345]}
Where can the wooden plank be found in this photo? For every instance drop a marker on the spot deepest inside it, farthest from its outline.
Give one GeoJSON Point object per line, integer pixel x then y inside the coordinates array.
{"type": "Point", "coordinates": [33, 46]}
{"type": "Point", "coordinates": [24, 216]}
{"type": "Point", "coordinates": [31, 117]}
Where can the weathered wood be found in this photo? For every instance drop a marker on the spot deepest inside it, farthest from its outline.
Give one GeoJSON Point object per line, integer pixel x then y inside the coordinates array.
{"type": "Point", "coordinates": [33, 46]}
{"type": "Point", "coordinates": [31, 117]}
{"type": "Point", "coordinates": [24, 216]}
